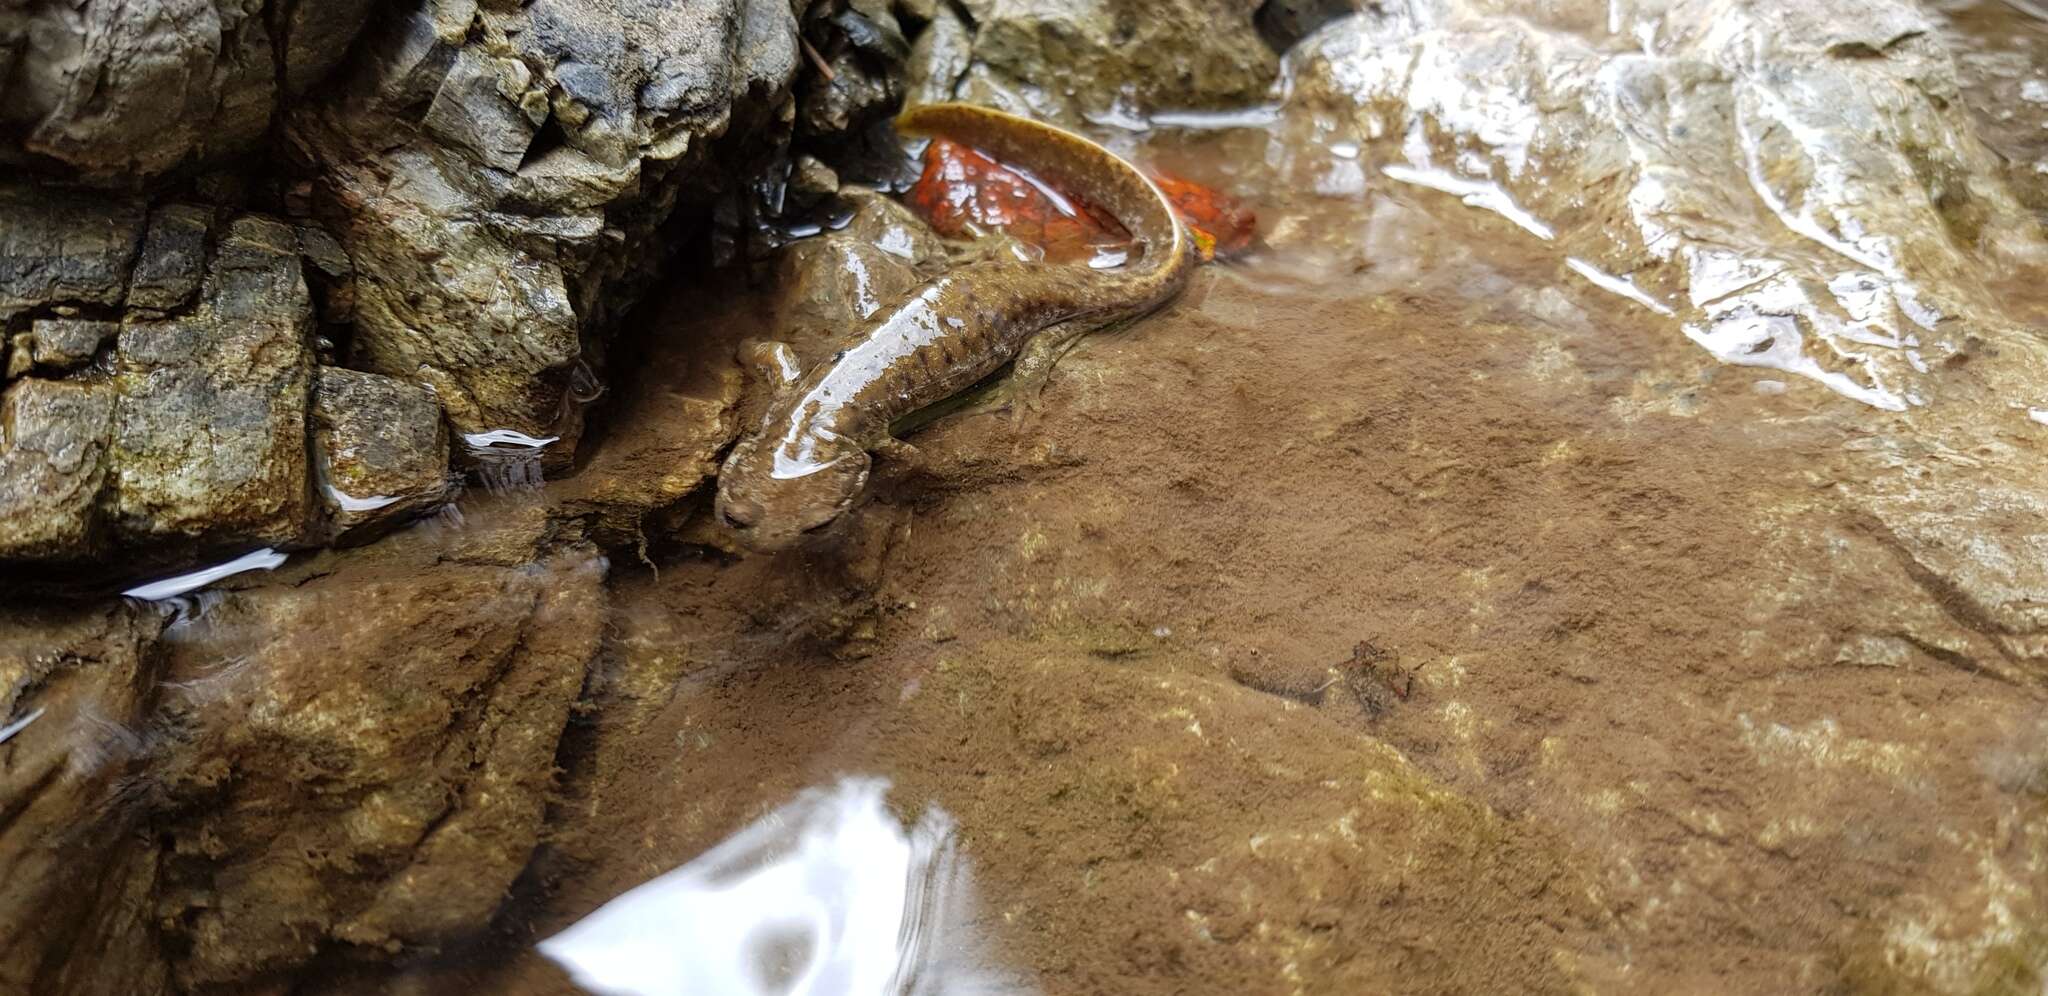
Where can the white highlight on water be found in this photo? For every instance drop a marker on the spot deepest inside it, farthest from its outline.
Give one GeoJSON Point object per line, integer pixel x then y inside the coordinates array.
{"type": "Point", "coordinates": [506, 437]}
{"type": "Point", "coordinates": [7, 732]}
{"type": "Point", "coordinates": [1616, 285]}
{"type": "Point", "coordinates": [350, 503]}
{"type": "Point", "coordinates": [826, 896]}
{"type": "Point", "coordinates": [171, 587]}
{"type": "Point", "coordinates": [1481, 194]}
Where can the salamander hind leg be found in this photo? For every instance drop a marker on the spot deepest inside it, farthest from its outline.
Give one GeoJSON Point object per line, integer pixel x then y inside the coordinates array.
{"type": "Point", "coordinates": [1026, 384]}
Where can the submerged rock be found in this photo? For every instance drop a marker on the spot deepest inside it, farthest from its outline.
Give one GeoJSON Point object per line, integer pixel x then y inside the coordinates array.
{"type": "Point", "coordinates": [396, 714]}
{"type": "Point", "coordinates": [1793, 185]}
{"type": "Point", "coordinates": [75, 687]}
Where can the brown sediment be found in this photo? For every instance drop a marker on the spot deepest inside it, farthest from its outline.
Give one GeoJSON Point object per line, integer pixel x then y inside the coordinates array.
{"type": "Point", "coordinates": [1625, 696]}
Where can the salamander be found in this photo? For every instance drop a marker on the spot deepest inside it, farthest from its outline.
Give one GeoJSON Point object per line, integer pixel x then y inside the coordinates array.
{"type": "Point", "coordinates": [807, 464]}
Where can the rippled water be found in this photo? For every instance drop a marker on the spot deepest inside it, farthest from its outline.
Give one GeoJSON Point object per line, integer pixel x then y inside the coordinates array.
{"type": "Point", "coordinates": [828, 894]}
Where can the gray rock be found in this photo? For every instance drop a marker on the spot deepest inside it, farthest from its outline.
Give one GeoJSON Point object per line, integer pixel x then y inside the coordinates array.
{"type": "Point", "coordinates": [496, 176]}
{"type": "Point", "coordinates": [209, 435]}
{"type": "Point", "coordinates": [53, 464]}
{"type": "Point", "coordinates": [1787, 183]}
{"type": "Point", "coordinates": [317, 34]}
{"type": "Point", "coordinates": [63, 343]}
{"type": "Point", "coordinates": [121, 91]}
{"type": "Point", "coordinates": [940, 57]}
{"type": "Point", "coordinates": [64, 247]}
{"type": "Point", "coordinates": [173, 257]}
{"type": "Point", "coordinates": [381, 451]}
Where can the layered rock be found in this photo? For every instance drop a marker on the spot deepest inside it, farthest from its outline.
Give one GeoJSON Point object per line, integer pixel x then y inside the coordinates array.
{"type": "Point", "coordinates": [76, 686]}
{"type": "Point", "coordinates": [159, 399]}
{"type": "Point", "coordinates": [354, 758]}
{"type": "Point", "coordinates": [497, 176]}
{"type": "Point", "coordinates": [404, 735]}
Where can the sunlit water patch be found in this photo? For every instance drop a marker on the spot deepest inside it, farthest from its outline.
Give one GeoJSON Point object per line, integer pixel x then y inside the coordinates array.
{"type": "Point", "coordinates": [827, 896]}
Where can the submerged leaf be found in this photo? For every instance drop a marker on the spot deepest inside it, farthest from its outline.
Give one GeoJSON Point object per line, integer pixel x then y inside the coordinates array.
{"type": "Point", "coordinates": [963, 192]}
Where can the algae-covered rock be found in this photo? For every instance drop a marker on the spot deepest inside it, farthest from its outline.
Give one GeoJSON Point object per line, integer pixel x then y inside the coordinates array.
{"type": "Point", "coordinates": [53, 465]}
{"type": "Point", "coordinates": [209, 435]}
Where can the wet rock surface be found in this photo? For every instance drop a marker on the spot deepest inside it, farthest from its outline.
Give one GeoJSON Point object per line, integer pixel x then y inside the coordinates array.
{"type": "Point", "coordinates": [1795, 186]}
{"type": "Point", "coordinates": [1138, 56]}
{"type": "Point", "coordinates": [408, 741]}
{"type": "Point", "coordinates": [331, 765]}
{"type": "Point", "coordinates": [75, 685]}
{"type": "Point", "coordinates": [382, 450]}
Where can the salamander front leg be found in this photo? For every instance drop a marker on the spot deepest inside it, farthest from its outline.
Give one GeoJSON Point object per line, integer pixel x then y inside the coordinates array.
{"type": "Point", "coordinates": [772, 363]}
{"type": "Point", "coordinates": [897, 451]}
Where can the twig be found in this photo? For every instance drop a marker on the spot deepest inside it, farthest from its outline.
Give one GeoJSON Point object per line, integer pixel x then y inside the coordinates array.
{"type": "Point", "coordinates": [817, 60]}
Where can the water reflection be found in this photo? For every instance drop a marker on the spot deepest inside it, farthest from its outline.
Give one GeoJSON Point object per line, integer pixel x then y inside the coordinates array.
{"type": "Point", "coordinates": [507, 460]}
{"type": "Point", "coordinates": [826, 895]}
{"type": "Point", "coordinates": [7, 732]}
{"type": "Point", "coordinates": [171, 587]}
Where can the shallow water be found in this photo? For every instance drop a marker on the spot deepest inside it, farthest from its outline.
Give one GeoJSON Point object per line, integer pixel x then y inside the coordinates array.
{"type": "Point", "coordinates": [1412, 606]}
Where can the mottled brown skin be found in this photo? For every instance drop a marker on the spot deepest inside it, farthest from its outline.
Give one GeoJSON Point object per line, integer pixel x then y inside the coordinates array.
{"type": "Point", "coordinates": [806, 465]}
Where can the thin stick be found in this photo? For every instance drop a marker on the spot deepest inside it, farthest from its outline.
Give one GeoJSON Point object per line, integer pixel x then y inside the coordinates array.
{"type": "Point", "coordinates": [817, 60]}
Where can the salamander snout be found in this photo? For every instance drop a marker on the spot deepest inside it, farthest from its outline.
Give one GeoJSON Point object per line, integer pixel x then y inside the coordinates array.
{"type": "Point", "coordinates": [772, 503]}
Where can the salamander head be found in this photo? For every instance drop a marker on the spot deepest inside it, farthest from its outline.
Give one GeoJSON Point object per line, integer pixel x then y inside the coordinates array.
{"type": "Point", "coordinates": [773, 501]}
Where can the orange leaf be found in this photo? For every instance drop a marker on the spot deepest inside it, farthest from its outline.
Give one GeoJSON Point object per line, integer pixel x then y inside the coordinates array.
{"type": "Point", "coordinates": [961, 190]}
{"type": "Point", "coordinates": [1223, 219]}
